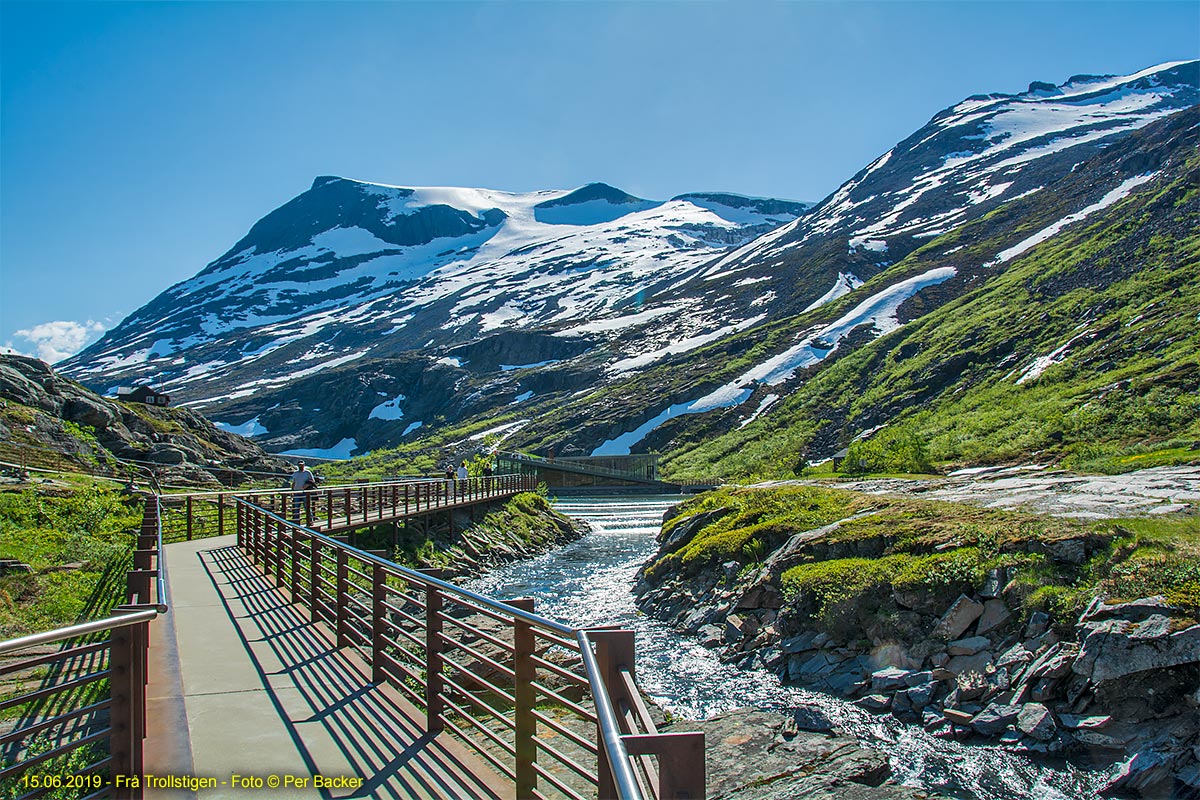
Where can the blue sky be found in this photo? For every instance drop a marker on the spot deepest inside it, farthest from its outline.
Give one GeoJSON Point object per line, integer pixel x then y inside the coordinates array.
{"type": "Point", "coordinates": [139, 141]}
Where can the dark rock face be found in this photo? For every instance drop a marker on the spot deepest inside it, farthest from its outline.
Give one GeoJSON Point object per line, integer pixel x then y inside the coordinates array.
{"type": "Point", "coordinates": [758, 755]}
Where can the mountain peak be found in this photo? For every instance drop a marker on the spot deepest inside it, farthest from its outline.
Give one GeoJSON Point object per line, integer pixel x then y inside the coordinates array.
{"type": "Point", "coordinates": [590, 193]}
{"type": "Point", "coordinates": [322, 180]}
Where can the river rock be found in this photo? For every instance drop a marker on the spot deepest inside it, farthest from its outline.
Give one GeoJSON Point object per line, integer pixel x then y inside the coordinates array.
{"type": "Point", "coordinates": [995, 613]}
{"type": "Point", "coordinates": [1074, 721]}
{"type": "Point", "coordinates": [686, 530]}
{"type": "Point", "coordinates": [993, 583]}
{"type": "Point", "coordinates": [957, 717]}
{"type": "Point", "coordinates": [1054, 663]}
{"type": "Point", "coordinates": [1118, 647]}
{"type": "Point", "coordinates": [961, 665]}
{"type": "Point", "coordinates": [921, 695]}
{"type": "Point", "coordinates": [1036, 720]}
{"type": "Point", "coordinates": [968, 647]}
{"type": "Point", "coordinates": [1144, 772]}
{"type": "Point", "coordinates": [711, 635]}
{"type": "Point", "coordinates": [889, 679]}
{"type": "Point", "coordinates": [1039, 622]}
{"type": "Point", "coordinates": [800, 642]}
{"type": "Point", "coordinates": [1134, 611]}
{"type": "Point", "coordinates": [875, 702]}
{"type": "Point", "coordinates": [917, 678]}
{"type": "Point", "coordinates": [812, 718]}
{"type": "Point", "coordinates": [995, 718]}
{"type": "Point", "coordinates": [958, 618]}
{"type": "Point", "coordinates": [759, 755]}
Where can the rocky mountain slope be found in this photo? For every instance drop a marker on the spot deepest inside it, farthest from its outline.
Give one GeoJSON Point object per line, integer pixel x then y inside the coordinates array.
{"type": "Point", "coordinates": [49, 421]}
{"type": "Point", "coordinates": [359, 316]}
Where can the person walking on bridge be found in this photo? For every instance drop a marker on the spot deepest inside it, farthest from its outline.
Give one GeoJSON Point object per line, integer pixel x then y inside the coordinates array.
{"type": "Point", "coordinates": [302, 481]}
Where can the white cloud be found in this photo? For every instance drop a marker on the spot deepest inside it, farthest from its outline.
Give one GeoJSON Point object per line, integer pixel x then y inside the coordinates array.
{"type": "Point", "coordinates": [54, 341]}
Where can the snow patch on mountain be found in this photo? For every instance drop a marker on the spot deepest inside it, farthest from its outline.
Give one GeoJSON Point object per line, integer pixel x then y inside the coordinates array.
{"type": "Point", "coordinates": [388, 409]}
{"type": "Point", "coordinates": [342, 450]}
{"type": "Point", "coordinates": [1119, 193]}
{"type": "Point", "coordinates": [846, 282]}
{"type": "Point", "coordinates": [251, 427]}
{"type": "Point", "coordinates": [879, 310]}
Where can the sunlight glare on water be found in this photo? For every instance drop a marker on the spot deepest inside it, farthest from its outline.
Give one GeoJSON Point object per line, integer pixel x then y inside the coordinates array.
{"type": "Point", "coordinates": [590, 581]}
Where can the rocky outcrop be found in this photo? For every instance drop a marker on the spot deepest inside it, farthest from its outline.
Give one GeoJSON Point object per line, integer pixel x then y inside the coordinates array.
{"type": "Point", "coordinates": [48, 419]}
{"type": "Point", "coordinates": [761, 755]}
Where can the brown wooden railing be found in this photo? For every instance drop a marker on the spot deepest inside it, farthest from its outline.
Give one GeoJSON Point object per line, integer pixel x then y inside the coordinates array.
{"type": "Point", "coordinates": [81, 725]}
{"type": "Point", "coordinates": [199, 515]}
{"type": "Point", "coordinates": [527, 693]}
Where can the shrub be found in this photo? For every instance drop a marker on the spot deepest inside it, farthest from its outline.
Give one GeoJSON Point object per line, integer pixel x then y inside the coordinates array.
{"type": "Point", "coordinates": [893, 449]}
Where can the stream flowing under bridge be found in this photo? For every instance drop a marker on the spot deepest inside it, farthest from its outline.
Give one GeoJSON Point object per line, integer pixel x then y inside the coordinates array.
{"type": "Point", "coordinates": [258, 651]}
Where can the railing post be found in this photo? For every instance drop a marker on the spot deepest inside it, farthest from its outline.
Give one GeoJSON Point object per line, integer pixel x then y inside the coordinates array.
{"type": "Point", "coordinates": [189, 517]}
{"type": "Point", "coordinates": [680, 761]}
{"type": "Point", "coordinates": [614, 650]}
{"type": "Point", "coordinates": [339, 596]}
{"type": "Point", "coordinates": [433, 659]}
{"type": "Point", "coordinates": [238, 525]}
{"type": "Point", "coordinates": [124, 693]}
{"type": "Point", "coordinates": [347, 498]}
{"type": "Point", "coordinates": [525, 696]}
{"type": "Point", "coordinates": [378, 595]}
{"type": "Point", "coordinates": [220, 514]}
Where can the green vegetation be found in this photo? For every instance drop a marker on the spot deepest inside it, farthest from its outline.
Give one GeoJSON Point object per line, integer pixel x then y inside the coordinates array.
{"type": "Point", "coordinates": [1109, 306]}
{"type": "Point", "coordinates": [524, 523]}
{"type": "Point", "coordinates": [881, 547]}
{"type": "Point", "coordinates": [895, 449]}
{"type": "Point", "coordinates": [76, 545]}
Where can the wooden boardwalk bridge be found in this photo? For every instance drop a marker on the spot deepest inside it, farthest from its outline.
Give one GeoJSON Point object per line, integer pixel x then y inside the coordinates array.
{"type": "Point", "coordinates": [268, 656]}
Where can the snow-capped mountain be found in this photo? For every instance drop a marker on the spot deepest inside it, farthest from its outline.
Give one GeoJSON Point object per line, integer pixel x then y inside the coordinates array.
{"type": "Point", "coordinates": [359, 314]}
{"type": "Point", "coordinates": [351, 270]}
{"type": "Point", "coordinates": [968, 160]}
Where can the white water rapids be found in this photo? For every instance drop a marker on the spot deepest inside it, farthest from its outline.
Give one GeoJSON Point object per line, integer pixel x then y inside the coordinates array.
{"type": "Point", "coordinates": [589, 582]}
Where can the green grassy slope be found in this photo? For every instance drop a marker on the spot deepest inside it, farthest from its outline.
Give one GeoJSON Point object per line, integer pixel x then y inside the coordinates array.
{"type": "Point", "coordinates": [1121, 291]}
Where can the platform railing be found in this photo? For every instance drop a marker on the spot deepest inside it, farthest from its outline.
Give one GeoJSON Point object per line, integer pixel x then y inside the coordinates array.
{"type": "Point", "coordinates": [80, 705]}
{"type": "Point", "coordinates": [199, 515]}
{"type": "Point", "coordinates": [528, 694]}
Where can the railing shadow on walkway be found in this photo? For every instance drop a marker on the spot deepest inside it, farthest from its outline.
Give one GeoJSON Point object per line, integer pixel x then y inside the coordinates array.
{"type": "Point", "coordinates": [364, 721]}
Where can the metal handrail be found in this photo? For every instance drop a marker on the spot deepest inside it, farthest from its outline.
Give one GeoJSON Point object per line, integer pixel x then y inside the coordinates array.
{"type": "Point", "coordinates": [414, 576]}
{"type": "Point", "coordinates": [81, 629]}
{"type": "Point", "coordinates": [610, 731]}
{"type": "Point", "coordinates": [342, 596]}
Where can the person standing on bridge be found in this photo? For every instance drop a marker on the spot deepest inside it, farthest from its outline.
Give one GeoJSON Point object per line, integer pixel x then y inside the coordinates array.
{"type": "Point", "coordinates": [462, 474]}
{"type": "Point", "coordinates": [302, 481]}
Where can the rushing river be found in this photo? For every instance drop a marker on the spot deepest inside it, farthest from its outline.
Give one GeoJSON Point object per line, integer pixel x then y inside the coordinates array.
{"type": "Point", "coordinates": [589, 582]}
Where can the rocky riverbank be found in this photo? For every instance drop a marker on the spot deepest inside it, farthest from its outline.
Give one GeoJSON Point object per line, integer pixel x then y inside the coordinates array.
{"type": "Point", "coordinates": [468, 543]}
{"type": "Point", "coordinates": [974, 624]}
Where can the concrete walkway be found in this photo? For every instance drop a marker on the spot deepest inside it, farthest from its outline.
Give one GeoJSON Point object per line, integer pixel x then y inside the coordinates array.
{"type": "Point", "coordinates": [242, 684]}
